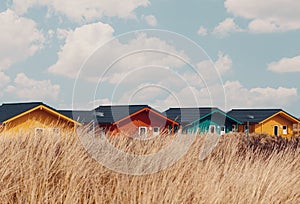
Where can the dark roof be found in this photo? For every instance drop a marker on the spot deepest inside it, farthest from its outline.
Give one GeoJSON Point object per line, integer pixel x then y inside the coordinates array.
{"type": "Point", "coordinates": [10, 110]}
{"type": "Point", "coordinates": [253, 115]}
{"type": "Point", "coordinates": [188, 115]}
{"type": "Point", "coordinates": [111, 114]}
{"type": "Point", "coordinates": [81, 116]}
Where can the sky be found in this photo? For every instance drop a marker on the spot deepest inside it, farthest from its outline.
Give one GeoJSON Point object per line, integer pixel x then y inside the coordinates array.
{"type": "Point", "coordinates": [84, 53]}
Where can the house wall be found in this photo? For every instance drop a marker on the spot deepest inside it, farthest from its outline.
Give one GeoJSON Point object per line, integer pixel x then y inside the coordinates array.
{"type": "Point", "coordinates": [147, 119]}
{"type": "Point", "coordinates": [252, 128]}
{"type": "Point", "coordinates": [38, 119]}
{"type": "Point", "coordinates": [203, 126]}
{"type": "Point", "coordinates": [268, 126]}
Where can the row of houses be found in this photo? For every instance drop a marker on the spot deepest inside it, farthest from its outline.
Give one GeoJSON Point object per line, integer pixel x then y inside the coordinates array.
{"type": "Point", "coordinates": [144, 121]}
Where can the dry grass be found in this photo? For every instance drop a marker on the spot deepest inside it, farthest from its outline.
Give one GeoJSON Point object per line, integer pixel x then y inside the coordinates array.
{"type": "Point", "coordinates": [58, 170]}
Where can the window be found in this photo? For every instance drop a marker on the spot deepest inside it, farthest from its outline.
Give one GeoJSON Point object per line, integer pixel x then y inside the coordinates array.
{"type": "Point", "coordinates": [284, 130]}
{"type": "Point", "coordinates": [56, 131]}
{"type": "Point", "coordinates": [212, 129]}
{"type": "Point", "coordinates": [234, 129]}
{"type": "Point", "coordinates": [155, 131]}
{"type": "Point", "coordinates": [142, 131]}
{"type": "Point", "coordinates": [38, 131]}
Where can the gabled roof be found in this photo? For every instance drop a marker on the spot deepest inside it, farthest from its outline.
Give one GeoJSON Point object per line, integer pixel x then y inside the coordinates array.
{"type": "Point", "coordinates": [256, 115]}
{"type": "Point", "coordinates": [112, 114]}
{"type": "Point", "coordinates": [117, 113]}
{"type": "Point", "coordinates": [82, 116]}
{"type": "Point", "coordinates": [188, 115]}
{"type": "Point", "coordinates": [10, 111]}
{"type": "Point", "coordinates": [218, 114]}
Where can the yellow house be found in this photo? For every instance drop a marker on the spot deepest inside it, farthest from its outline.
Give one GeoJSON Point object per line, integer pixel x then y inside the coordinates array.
{"type": "Point", "coordinates": [34, 117]}
{"type": "Point", "coordinates": [275, 122]}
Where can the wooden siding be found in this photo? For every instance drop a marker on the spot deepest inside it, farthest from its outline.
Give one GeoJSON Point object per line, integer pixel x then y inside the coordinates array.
{"type": "Point", "coordinates": [146, 118]}
{"type": "Point", "coordinates": [38, 119]}
{"type": "Point", "coordinates": [278, 120]}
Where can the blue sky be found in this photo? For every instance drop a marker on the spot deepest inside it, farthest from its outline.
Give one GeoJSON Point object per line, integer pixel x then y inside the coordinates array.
{"type": "Point", "coordinates": [253, 45]}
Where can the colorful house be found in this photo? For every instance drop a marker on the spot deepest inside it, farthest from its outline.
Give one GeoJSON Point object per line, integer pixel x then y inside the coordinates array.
{"type": "Point", "coordinates": [35, 117]}
{"type": "Point", "coordinates": [141, 120]}
{"type": "Point", "coordinates": [274, 122]}
{"type": "Point", "coordinates": [203, 120]}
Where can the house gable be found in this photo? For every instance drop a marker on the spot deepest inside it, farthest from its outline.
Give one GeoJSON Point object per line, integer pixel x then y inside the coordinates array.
{"type": "Point", "coordinates": [11, 112]}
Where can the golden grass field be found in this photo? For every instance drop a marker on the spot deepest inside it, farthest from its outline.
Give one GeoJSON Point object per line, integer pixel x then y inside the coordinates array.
{"type": "Point", "coordinates": [49, 169]}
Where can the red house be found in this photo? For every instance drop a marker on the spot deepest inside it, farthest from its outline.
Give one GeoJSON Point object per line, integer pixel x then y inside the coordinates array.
{"type": "Point", "coordinates": [134, 120]}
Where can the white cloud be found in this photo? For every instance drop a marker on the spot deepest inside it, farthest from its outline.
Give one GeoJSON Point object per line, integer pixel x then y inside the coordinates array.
{"type": "Point", "coordinates": [26, 88]}
{"type": "Point", "coordinates": [84, 10]}
{"type": "Point", "coordinates": [202, 31]}
{"type": "Point", "coordinates": [4, 79]}
{"type": "Point", "coordinates": [19, 38]}
{"type": "Point", "coordinates": [267, 16]}
{"type": "Point", "coordinates": [239, 96]}
{"type": "Point", "coordinates": [151, 20]}
{"type": "Point", "coordinates": [210, 71]}
{"type": "Point", "coordinates": [286, 65]}
{"type": "Point", "coordinates": [226, 27]}
{"type": "Point", "coordinates": [224, 63]}
{"type": "Point", "coordinates": [62, 33]}
{"type": "Point", "coordinates": [79, 44]}
{"type": "Point", "coordinates": [84, 41]}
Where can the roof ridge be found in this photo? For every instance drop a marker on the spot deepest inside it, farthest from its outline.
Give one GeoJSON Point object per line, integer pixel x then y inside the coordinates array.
{"type": "Point", "coordinates": [16, 103]}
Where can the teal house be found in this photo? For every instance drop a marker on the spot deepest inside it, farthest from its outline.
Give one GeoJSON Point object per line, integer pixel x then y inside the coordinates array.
{"type": "Point", "coordinates": [203, 120]}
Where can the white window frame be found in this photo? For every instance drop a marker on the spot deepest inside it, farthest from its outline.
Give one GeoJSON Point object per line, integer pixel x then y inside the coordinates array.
{"type": "Point", "coordinates": [37, 129]}
{"type": "Point", "coordinates": [156, 133]}
{"type": "Point", "coordinates": [285, 130]}
{"type": "Point", "coordinates": [143, 127]}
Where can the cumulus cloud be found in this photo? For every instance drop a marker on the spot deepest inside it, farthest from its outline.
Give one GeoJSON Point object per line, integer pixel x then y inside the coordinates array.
{"type": "Point", "coordinates": [226, 27]}
{"type": "Point", "coordinates": [25, 88]}
{"type": "Point", "coordinates": [150, 20]}
{"type": "Point", "coordinates": [79, 44]}
{"type": "Point", "coordinates": [19, 38]}
{"type": "Point", "coordinates": [267, 16]}
{"type": "Point", "coordinates": [210, 70]}
{"type": "Point", "coordinates": [239, 96]}
{"type": "Point", "coordinates": [128, 55]}
{"type": "Point", "coordinates": [202, 31]}
{"type": "Point", "coordinates": [224, 63]}
{"type": "Point", "coordinates": [286, 65]}
{"type": "Point", "coordinates": [4, 79]}
{"type": "Point", "coordinates": [84, 10]}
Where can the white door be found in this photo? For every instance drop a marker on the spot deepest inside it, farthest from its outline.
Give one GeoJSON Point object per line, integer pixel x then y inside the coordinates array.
{"type": "Point", "coordinates": [222, 130]}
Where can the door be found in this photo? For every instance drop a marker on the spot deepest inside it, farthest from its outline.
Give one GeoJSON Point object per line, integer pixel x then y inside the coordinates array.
{"type": "Point", "coordinates": [212, 129]}
{"type": "Point", "coordinates": [275, 130]}
{"type": "Point", "coordinates": [222, 130]}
